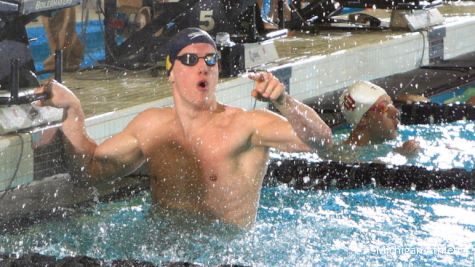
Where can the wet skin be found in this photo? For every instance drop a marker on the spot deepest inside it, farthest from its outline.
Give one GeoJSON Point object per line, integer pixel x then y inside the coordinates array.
{"type": "Point", "coordinates": [378, 124]}
{"type": "Point", "coordinates": [202, 156]}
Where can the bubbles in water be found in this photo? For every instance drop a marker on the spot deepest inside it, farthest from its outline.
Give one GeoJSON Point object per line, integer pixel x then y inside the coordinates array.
{"type": "Point", "coordinates": [293, 228]}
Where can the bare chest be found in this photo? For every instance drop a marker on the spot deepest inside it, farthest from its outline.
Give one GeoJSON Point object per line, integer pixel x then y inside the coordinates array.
{"type": "Point", "coordinates": [216, 171]}
{"type": "Point", "coordinates": [204, 157]}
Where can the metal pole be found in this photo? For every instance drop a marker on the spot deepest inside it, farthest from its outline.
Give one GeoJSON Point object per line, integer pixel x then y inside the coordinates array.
{"type": "Point", "coordinates": [14, 80]}
{"type": "Point", "coordinates": [58, 65]}
{"type": "Point", "coordinates": [280, 12]}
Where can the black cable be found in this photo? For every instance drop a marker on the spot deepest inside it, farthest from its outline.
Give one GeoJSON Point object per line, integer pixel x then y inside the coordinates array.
{"type": "Point", "coordinates": [421, 61]}
{"type": "Point", "coordinates": [107, 47]}
{"type": "Point", "coordinates": [84, 26]}
{"type": "Point", "coordinates": [449, 67]}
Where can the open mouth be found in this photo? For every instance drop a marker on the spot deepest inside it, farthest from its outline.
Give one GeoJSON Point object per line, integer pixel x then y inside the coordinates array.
{"type": "Point", "coordinates": [203, 85]}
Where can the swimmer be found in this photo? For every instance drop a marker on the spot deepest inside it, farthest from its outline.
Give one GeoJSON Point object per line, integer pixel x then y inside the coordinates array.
{"type": "Point", "coordinates": [203, 157]}
{"type": "Point", "coordinates": [373, 117]}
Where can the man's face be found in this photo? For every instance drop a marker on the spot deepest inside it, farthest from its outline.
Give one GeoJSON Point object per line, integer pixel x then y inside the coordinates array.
{"type": "Point", "coordinates": [382, 119]}
{"type": "Point", "coordinates": [195, 83]}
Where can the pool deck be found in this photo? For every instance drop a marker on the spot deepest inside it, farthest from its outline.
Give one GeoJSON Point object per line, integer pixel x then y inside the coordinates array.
{"type": "Point", "coordinates": [311, 65]}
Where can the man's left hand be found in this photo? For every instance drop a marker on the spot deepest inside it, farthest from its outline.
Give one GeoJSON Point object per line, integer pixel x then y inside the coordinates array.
{"type": "Point", "coordinates": [267, 88]}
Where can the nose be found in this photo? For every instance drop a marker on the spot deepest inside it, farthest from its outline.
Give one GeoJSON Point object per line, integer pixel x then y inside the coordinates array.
{"type": "Point", "coordinates": [394, 112]}
{"type": "Point", "coordinates": [202, 66]}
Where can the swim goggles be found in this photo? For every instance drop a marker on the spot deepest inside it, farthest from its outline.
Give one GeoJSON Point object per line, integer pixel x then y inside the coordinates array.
{"type": "Point", "coordinates": [192, 59]}
{"type": "Point", "coordinates": [382, 107]}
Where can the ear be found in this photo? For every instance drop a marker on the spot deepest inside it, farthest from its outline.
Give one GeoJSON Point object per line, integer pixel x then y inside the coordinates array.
{"type": "Point", "coordinates": [171, 77]}
{"type": "Point", "coordinates": [364, 122]}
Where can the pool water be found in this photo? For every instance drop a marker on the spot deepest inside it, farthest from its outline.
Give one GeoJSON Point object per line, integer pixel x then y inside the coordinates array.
{"type": "Point", "coordinates": [443, 146]}
{"type": "Point", "coordinates": [293, 228]}
{"type": "Point", "coordinates": [458, 95]}
{"type": "Point", "coordinates": [370, 226]}
{"type": "Point", "coordinates": [93, 40]}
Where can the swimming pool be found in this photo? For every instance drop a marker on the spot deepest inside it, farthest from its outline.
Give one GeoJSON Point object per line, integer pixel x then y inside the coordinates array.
{"type": "Point", "coordinates": [443, 146]}
{"type": "Point", "coordinates": [366, 226]}
{"type": "Point", "coordinates": [93, 40]}
{"type": "Point", "coordinates": [369, 226]}
{"type": "Point", "coordinates": [293, 228]}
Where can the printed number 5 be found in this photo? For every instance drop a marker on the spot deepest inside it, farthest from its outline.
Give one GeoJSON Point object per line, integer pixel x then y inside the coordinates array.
{"type": "Point", "coordinates": [206, 20]}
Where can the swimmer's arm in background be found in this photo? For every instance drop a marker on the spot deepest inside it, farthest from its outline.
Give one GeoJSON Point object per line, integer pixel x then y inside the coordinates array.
{"type": "Point", "coordinates": [117, 156]}
{"type": "Point", "coordinates": [409, 148]}
{"type": "Point", "coordinates": [301, 120]}
{"type": "Point", "coordinates": [341, 153]}
{"type": "Point", "coordinates": [411, 99]}
{"type": "Point", "coordinates": [471, 101]}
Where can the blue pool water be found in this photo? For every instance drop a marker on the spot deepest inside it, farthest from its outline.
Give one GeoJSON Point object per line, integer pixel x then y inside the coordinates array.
{"type": "Point", "coordinates": [293, 228]}
{"type": "Point", "coordinates": [460, 95]}
{"type": "Point", "coordinates": [370, 226]}
{"type": "Point", "coordinates": [443, 146]}
{"type": "Point", "coordinates": [93, 40]}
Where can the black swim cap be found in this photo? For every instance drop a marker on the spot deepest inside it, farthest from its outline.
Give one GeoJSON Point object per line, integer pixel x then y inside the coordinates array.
{"type": "Point", "coordinates": [181, 40]}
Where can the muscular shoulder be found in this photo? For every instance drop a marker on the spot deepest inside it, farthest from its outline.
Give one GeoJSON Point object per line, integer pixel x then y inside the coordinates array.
{"type": "Point", "coordinates": [242, 117]}
{"type": "Point", "coordinates": [251, 121]}
{"type": "Point", "coordinates": [151, 118]}
{"type": "Point", "coordinates": [259, 117]}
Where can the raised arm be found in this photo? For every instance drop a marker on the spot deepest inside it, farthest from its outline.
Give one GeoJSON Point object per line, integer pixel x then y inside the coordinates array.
{"type": "Point", "coordinates": [117, 156]}
{"type": "Point", "coordinates": [301, 130]}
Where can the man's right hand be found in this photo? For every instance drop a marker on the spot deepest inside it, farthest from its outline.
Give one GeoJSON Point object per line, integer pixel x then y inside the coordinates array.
{"type": "Point", "coordinates": [59, 95]}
